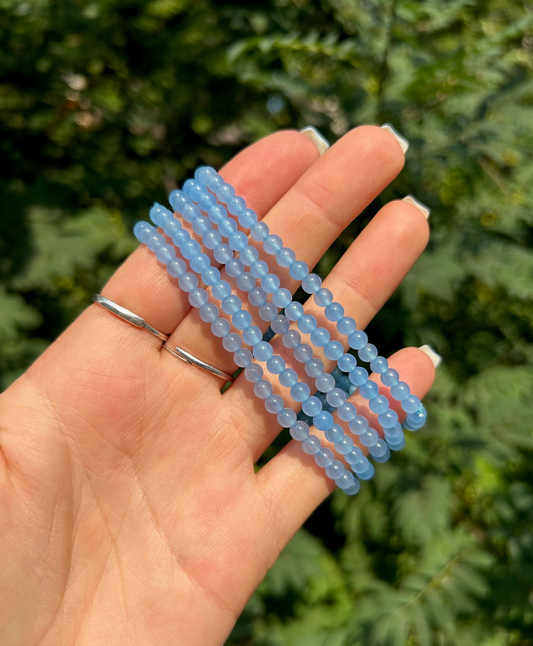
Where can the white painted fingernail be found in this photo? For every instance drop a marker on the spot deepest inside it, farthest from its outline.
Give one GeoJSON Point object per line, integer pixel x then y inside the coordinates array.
{"type": "Point", "coordinates": [434, 356]}
{"type": "Point", "coordinates": [320, 142]}
{"type": "Point", "coordinates": [421, 207]}
{"type": "Point", "coordinates": [401, 140]}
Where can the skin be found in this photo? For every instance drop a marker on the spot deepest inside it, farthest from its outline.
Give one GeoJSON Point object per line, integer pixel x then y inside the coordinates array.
{"type": "Point", "coordinates": [131, 512]}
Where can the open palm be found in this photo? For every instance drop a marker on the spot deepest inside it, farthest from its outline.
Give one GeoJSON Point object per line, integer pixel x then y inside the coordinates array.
{"type": "Point", "coordinates": [131, 511]}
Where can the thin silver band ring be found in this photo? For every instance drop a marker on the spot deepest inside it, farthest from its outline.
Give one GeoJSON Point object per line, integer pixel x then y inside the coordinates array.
{"type": "Point", "coordinates": [178, 352]}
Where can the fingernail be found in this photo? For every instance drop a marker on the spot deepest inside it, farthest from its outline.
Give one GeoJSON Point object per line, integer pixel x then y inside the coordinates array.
{"type": "Point", "coordinates": [422, 207]}
{"type": "Point", "coordinates": [320, 142]}
{"type": "Point", "coordinates": [401, 140]}
{"type": "Point", "coordinates": [434, 356]}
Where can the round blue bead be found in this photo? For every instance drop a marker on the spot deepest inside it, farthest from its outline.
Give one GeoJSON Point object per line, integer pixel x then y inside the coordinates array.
{"type": "Point", "coordinates": [245, 281]}
{"type": "Point", "coordinates": [346, 363]}
{"type": "Point", "coordinates": [369, 437]}
{"type": "Point", "coordinates": [231, 304]}
{"type": "Point", "coordinates": [291, 339]}
{"type": "Point", "coordinates": [323, 420]}
{"type": "Point", "coordinates": [190, 249]}
{"type": "Point", "coordinates": [346, 411]}
{"type": "Point", "coordinates": [285, 257]}
{"type": "Point", "coordinates": [203, 173]}
{"type": "Point", "coordinates": [311, 283]}
{"type": "Point", "coordinates": [344, 445]}
{"type": "Point", "coordinates": [379, 449]}
{"type": "Point", "coordinates": [411, 404]}
{"type": "Point", "coordinates": [274, 404]}
{"type": "Point", "coordinates": [346, 325]}
{"type": "Point", "coordinates": [236, 205]}
{"type": "Point", "coordinates": [270, 283]}
{"type": "Point", "coordinates": [294, 311]}
{"type": "Point", "coordinates": [303, 353]}
{"type": "Point", "coordinates": [324, 457]}
{"type": "Point", "coordinates": [177, 199]}
{"type": "Point", "coordinates": [397, 444]}
{"type": "Point", "coordinates": [299, 270]}
{"type": "Point", "coordinates": [361, 465]}
{"type": "Point", "coordinates": [253, 372]}
{"type": "Point", "coordinates": [286, 418]}
{"type": "Point", "coordinates": [307, 323]}
{"type": "Point", "coordinates": [379, 365]}
{"type": "Point", "coordinates": [176, 267]}
{"type": "Point", "coordinates": [243, 357]}
{"type": "Point", "coordinates": [323, 297]}
{"type": "Point", "coordinates": [357, 339]}
{"type": "Point", "coordinates": [164, 253]}
{"type": "Point", "coordinates": [349, 488]}
{"type": "Point", "coordinates": [333, 350]}
{"type": "Point", "coordinates": [247, 218]}
{"type": "Point", "coordinates": [334, 312]}
{"type": "Point", "coordinates": [227, 227]}
{"type": "Point", "coordinates": [354, 456]}
{"type": "Point", "coordinates": [299, 431]}
{"type": "Point", "coordinates": [238, 241]}
{"type": "Point", "coordinates": [288, 377]}
{"type": "Point", "coordinates": [198, 297]}
{"type": "Point", "coordinates": [400, 391]}
{"type": "Point", "coordinates": [311, 445]}
{"type": "Point", "coordinates": [208, 312]}
{"type": "Point", "coordinates": [217, 213]}
{"type": "Point", "coordinates": [280, 325]}
{"type": "Point", "coordinates": [390, 377]}
{"type": "Point", "coordinates": [190, 211]}
{"type": "Point", "coordinates": [393, 432]}
{"type": "Point", "coordinates": [334, 434]}
{"type": "Point", "coordinates": [241, 319]}
{"type": "Point", "coordinates": [368, 353]}
{"type": "Point", "coordinates": [234, 267]}
{"type": "Point", "coordinates": [252, 335]}
{"type": "Point", "coordinates": [154, 241]}
{"type": "Point", "coordinates": [275, 364]}
{"type": "Point", "coordinates": [300, 392]}
{"type": "Point", "coordinates": [214, 182]}
{"type": "Point", "coordinates": [188, 282]}
{"type": "Point", "coordinates": [367, 474]}
{"type": "Point", "coordinates": [201, 224]}
{"type": "Point", "coordinates": [224, 193]}
{"type": "Point", "coordinates": [259, 268]}
{"type": "Point", "coordinates": [336, 397]}
{"type": "Point", "coordinates": [249, 255]}
{"type": "Point", "coordinates": [262, 389]}
{"type": "Point", "coordinates": [325, 382]}
{"type": "Point", "coordinates": [263, 351]}
{"type": "Point", "coordinates": [210, 276]}
{"type": "Point", "coordinates": [179, 237]}
{"type": "Point", "coordinates": [281, 297]}
{"type": "Point", "coordinates": [319, 337]}
{"type": "Point", "coordinates": [257, 296]}
{"type": "Point", "coordinates": [200, 262]}
{"type": "Point", "coordinates": [232, 342]}
{"type": "Point", "coordinates": [312, 406]}
{"type": "Point", "coordinates": [222, 253]}
{"type": "Point", "coordinates": [369, 390]}
{"type": "Point", "coordinates": [358, 376]}
{"type": "Point", "coordinates": [220, 327]}
{"type": "Point", "coordinates": [272, 244]}
{"type": "Point", "coordinates": [259, 231]}
{"type": "Point", "coordinates": [388, 419]}
{"type": "Point", "coordinates": [221, 290]}
{"type": "Point", "coordinates": [358, 425]}
{"type": "Point", "coordinates": [379, 404]}
{"type": "Point", "coordinates": [268, 311]}
{"type": "Point", "coordinates": [314, 367]}
{"type": "Point", "coordinates": [335, 470]}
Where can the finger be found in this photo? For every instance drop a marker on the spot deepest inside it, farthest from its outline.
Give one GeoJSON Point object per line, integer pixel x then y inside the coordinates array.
{"type": "Point", "coordinates": [363, 280]}
{"type": "Point", "coordinates": [335, 189]}
{"type": "Point", "coordinates": [293, 485]}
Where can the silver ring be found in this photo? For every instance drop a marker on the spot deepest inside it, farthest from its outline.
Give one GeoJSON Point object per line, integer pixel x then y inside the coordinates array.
{"type": "Point", "coordinates": [138, 321]}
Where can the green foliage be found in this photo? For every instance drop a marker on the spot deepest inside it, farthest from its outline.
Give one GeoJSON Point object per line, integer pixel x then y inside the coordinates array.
{"type": "Point", "coordinates": [106, 106]}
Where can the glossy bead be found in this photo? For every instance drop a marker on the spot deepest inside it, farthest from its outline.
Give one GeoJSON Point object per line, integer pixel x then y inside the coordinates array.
{"type": "Point", "coordinates": [307, 323]}
{"type": "Point", "coordinates": [249, 255]}
{"type": "Point", "coordinates": [259, 268]}
{"type": "Point", "coordinates": [299, 431]}
{"type": "Point", "coordinates": [411, 404]}
{"type": "Point", "coordinates": [177, 199]}
{"type": "Point", "coordinates": [231, 304]}
{"type": "Point", "coordinates": [288, 377]}
{"type": "Point", "coordinates": [368, 353]}
{"type": "Point", "coordinates": [262, 351]}
{"type": "Point", "coordinates": [201, 224]}
{"type": "Point", "coordinates": [291, 339]}
{"type": "Point", "coordinates": [314, 367]}
{"type": "Point", "coordinates": [214, 182]}
{"type": "Point", "coordinates": [232, 342]}
{"type": "Point", "coordinates": [388, 419]}
{"type": "Point", "coordinates": [333, 350]}
{"type": "Point", "coordinates": [323, 420]}
{"type": "Point", "coordinates": [198, 297]}
{"type": "Point", "coordinates": [336, 397]}
{"type": "Point", "coordinates": [311, 283]}
{"type": "Point", "coordinates": [252, 335]}
{"type": "Point", "coordinates": [379, 365]}
{"type": "Point", "coordinates": [217, 213]}
{"type": "Point", "coordinates": [357, 339]}
{"type": "Point", "coordinates": [311, 445]}
{"type": "Point", "coordinates": [221, 290]}
{"type": "Point", "coordinates": [325, 382]}
{"type": "Point", "coordinates": [369, 437]}
{"type": "Point", "coordinates": [270, 283]}
{"type": "Point", "coordinates": [222, 253]}
{"type": "Point", "coordinates": [245, 282]}
{"type": "Point", "coordinates": [379, 449]}
{"type": "Point", "coordinates": [400, 391]}
{"type": "Point", "coordinates": [220, 327]}
{"type": "Point", "coordinates": [353, 489]}
{"type": "Point", "coordinates": [224, 193]}
{"type": "Point", "coordinates": [312, 406]}
{"type": "Point", "coordinates": [243, 357]}
{"type": "Point", "coordinates": [281, 297]}
{"type": "Point", "coordinates": [285, 257]}
{"type": "Point", "coordinates": [335, 470]}
{"type": "Point", "coordinates": [300, 392]}
{"type": "Point", "coordinates": [203, 173]}
{"type": "Point", "coordinates": [236, 205]}
{"type": "Point", "coordinates": [154, 241]}
{"type": "Point", "coordinates": [259, 231]}
{"type": "Point", "coordinates": [379, 404]}
{"type": "Point", "coordinates": [390, 377]}
{"type": "Point", "coordinates": [358, 425]}
{"type": "Point", "coordinates": [274, 404]}
{"type": "Point", "coordinates": [280, 325]}
{"type": "Point", "coordinates": [354, 456]}
{"type": "Point", "coordinates": [361, 465]}
{"type": "Point", "coordinates": [394, 432]}
{"type": "Point", "coordinates": [303, 353]}
{"type": "Point", "coordinates": [324, 457]}
{"type": "Point", "coordinates": [210, 276]}
{"type": "Point", "coordinates": [286, 417]}
{"type": "Point", "coordinates": [346, 325]}
{"type": "Point", "coordinates": [176, 267]}
{"type": "Point", "coordinates": [262, 389]}
{"type": "Point", "coordinates": [272, 244]}
{"type": "Point", "coordinates": [199, 262]}
{"type": "Point", "coordinates": [257, 296]}
{"type": "Point", "coordinates": [234, 267]}
{"type": "Point", "coordinates": [188, 282]}
{"type": "Point", "coordinates": [346, 411]}
{"type": "Point", "coordinates": [358, 376]}
{"type": "Point", "coordinates": [298, 270]}
{"type": "Point", "coordinates": [334, 434]}
{"type": "Point", "coordinates": [344, 445]}
{"type": "Point", "coordinates": [142, 230]}
{"type": "Point", "coordinates": [179, 237]}
{"type": "Point", "coordinates": [323, 297]}
{"type": "Point", "coordinates": [366, 475]}
{"type": "Point", "coordinates": [241, 319]}
{"type": "Point", "coordinates": [190, 249]}
{"type": "Point", "coordinates": [346, 363]}
{"type": "Point", "coordinates": [380, 458]}
{"type": "Point", "coordinates": [247, 218]}
{"type": "Point", "coordinates": [190, 211]}
{"type": "Point", "coordinates": [268, 312]}
{"type": "Point", "coordinates": [208, 312]}
{"type": "Point", "coordinates": [319, 337]}
{"type": "Point", "coordinates": [334, 312]}
{"type": "Point", "coordinates": [238, 241]}
{"type": "Point", "coordinates": [369, 390]}
{"type": "Point", "coordinates": [275, 364]}
{"type": "Point", "coordinates": [211, 239]}
{"type": "Point", "coordinates": [294, 311]}
{"type": "Point", "coordinates": [164, 253]}
{"type": "Point", "coordinates": [396, 444]}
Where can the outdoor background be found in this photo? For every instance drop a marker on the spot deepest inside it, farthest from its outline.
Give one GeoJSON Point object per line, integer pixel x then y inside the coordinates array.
{"type": "Point", "coordinates": [105, 106]}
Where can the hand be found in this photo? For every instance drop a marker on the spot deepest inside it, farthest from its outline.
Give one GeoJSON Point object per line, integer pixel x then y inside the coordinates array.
{"type": "Point", "coordinates": [131, 512]}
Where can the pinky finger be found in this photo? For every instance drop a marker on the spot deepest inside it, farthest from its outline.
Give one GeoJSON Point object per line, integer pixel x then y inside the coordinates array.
{"type": "Point", "coordinates": [293, 485]}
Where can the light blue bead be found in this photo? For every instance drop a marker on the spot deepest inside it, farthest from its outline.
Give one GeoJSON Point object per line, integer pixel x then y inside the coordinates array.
{"type": "Point", "coordinates": [190, 249]}
{"type": "Point", "coordinates": [335, 470]}
{"type": "Point", "coordinates": [346, 363]}
{"type": "Point", "coordinates": [345, 483]}
{"type": "Point", "coordinates": [272, 244]}
{"type": "Point", "coordinates": [190, 211]}
{"type": "Point", "coordinates": [201, 225]}
{"type": "Point", "coordinates": [227, 227]}
{"type": "Point", "coordinates": [262, 389]}
{"type": "Point", "coordinates": [334, 312]}
{"type": "Point", "coordinates": [400, 391]}
{"type": "Point", "coordinates": [358, 425]}
{"type": "Point", "coordinates": [314, 367]}
{"type": "Point", "coordinates": [241, 320]}
{"type": "Point", "coordinates": [396, 445]}
{"type": "Point", "coordinates": [379, 365]}
{"type": "Point", "coordinates": [299, 431]}
{"type": "Point", "coordinates": [232, 342]}
{"type": "Point", "coordinates": [247, 218]}
{"type": "Point", "coordinates": [394, 432]}
{"type": "Point", "coordinates": [281, 297]}
{"type": "Point", "coordinates": [214, 182]}
{"type": "Point", "coordinates": [388, 419]}
{"type": "Point", "coordinates": [221, 290]}
{"type": "Point", "coordinates": [354, 456]}
{"type": "Point", "coordinates": [369, 437]}
{"type": "Point", "coordinates": [246, 281]}
{"type": "Point", "coordinates": [303, 353]}
{"type": "Point", "coordinates": [231, 304]}
{"type": "Point", "coordinates": [333, 350]}
{"type": "Point", "coordinates": [307, 323]}
{"type": "Point", "coordinates": [234, 267]}
{"type": "Point", "coordinates": [294, 311]}
{"type": "Point", "coordinates": [222, 253]}
{"type": "Point", "coordinates": [257, 296]}
{"type": "Point", "coordinates": [346, 411]}
{"type": "Point", "coordinates": [288, 377]}
{"type": "Point", "coordinates": [154, 241]}
{"type": "Point", "coordinates": [379, 404]}
{"type": "Point", "coordinates": [311, 445]}
{"type": "Point", "coordinates": [361, 466]}
{"type": "Point", "coordinates": [312, 406]}
{"type": "Point", "coordinates": [238, 241]}
{"type": "Point", "coordinates": [334, 434]}
{"type": "Point", "coordinates": [224, 193]}
{"type": "Point", "coordinates": [270, 283]}
{"type": "Point", "coordinates": [262, 351]}
{"type": "Point", "coordinates": [268, 311]}
{"type": "Point", "coordinates": [357, 339]}
{"type": "Point", "coordinates": [368, 353]}
{"type": "Point", "coordinates": [325, 382]}
{"type": "Point", "coordinates": [311, 283]}
{"type": "Point", "coordinates": [291, 339]}
{"type": "Point", "coordinates": [190, 187]}
{"type": "Point", "coordinates": [217, 213]}
{"type": "Point", "coordinates": [176, 267]}
{"type": "Point", "coordinates": [205, 200]}
{"type": "Point", "coordinates": [172, 227]}
{"type": "Point", "coordinates": [323, 297]}
{"type": "Point", "coordinates": [220, 327]}
{"type": "Point", "coordinates": [209, 312]}
{"type": "Point", "coordinates": [177, 199]}
{"type": "Point", "coordinates": [324, 457]}
{"type": "Point", "coordinates": [280, 325]}
{"type": "Point", "coordinates": [243, 357]}
{"type": "Point", "coordinates": [299, 270]}
{"type": "Point", "coordinates": [249, 255]}
{"type": "Point", "coordinates": [180, 237]}
{"type": "Point", "coordinates": [379, 449]}
{"type": "Point", "coordinates": [274, 404]}
{"type": "Point", "coordinates": [346, 325]}
{"type": "Point", "coordinates": [390, 378]}
{"type": "Point", "coordinates": [382, 457]}
{"type": "Point", "coordinates": [358, 376]}
{"type": "Point", "coordinates": [236, 205]}
{"type": "Point", "coordinates": [259, 231]}
{"type": "Point", "coordinates": [275, 364]}
{"type": "Point", "coordinates": [336, 397]}
{"type": "Point", "coordinates": [323, 420]}
{"type": "Point", "coordinates": [344, 445]}
{"type": "Point", "coordinates": [210, 276]}
{"type": "Point", "coordinates": [198, 297]}
{"type": "Point", "coordinates": [188, 281]}
{"type": "Point", "coordinates": [411, 404]}
{"type": "Point", "coordinates": [259, 268]}
{"type": "Point", "coordinates": [367, 475]}
{"type": "Point", "coordinates": [320, 337]}
{"type": "Point", "coordinates": [300, 392]}
{"type": "Point", "coordinates": [142, 229]}
{"type": "Point", "coordinates": [252, 335]}
{"type": "Point", "coordinates": [369, 390]}
{"type": "Point", "coordinates": [253, 372]}
{"type": "Point", "coordinates": [285, 257]}
{"type": "Point", "coordinates": [200, 262]}
{"type": "Point", "coordinates": [286, 418]}
{"type": "Point", "coordinates": [203, 173]}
